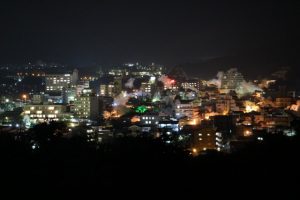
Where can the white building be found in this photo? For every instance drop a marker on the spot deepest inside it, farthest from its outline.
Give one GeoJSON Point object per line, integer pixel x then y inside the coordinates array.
{"type": "Point", "coordinates": [186, 109]}
{"type": "Point", "coordinates": [42, 113]}
{"type": "Point", "coordinates": [56, 82]}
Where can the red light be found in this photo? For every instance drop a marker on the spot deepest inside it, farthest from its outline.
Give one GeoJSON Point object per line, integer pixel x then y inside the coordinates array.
{"type": "Point", "coordinates": [172, 81]}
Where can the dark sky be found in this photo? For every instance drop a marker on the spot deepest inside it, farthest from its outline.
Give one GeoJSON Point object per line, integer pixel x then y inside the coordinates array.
{"type": "Point", "coordinates": [103, 32]}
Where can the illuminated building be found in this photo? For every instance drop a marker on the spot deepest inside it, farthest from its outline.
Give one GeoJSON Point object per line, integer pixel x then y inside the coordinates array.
{"type": "Point", "coordinates": [232, 79]}
{"type": "Point", "coordinates": [42, 113]}
{"type": "Point", "coordinates": [54, 97]}
{"type": "Point", "coordinates": [173, 87]}
{"type": "Point", "coordinates": [146, 87]}
{"type": "Point", "coordinates": [81, 86]}
{"type": "Point", "coordinates": [87, 106]}
{"type": "Point", "coordinates": [37, 99]}
{"type": "Point", "coordinates": [118, 87]}
{"type": "Point", "coordinates": [191, 84]}
{"type": "Point", "coordinates": [69, 95]}
{"type": "Point", "coordinates": [275, 120]}
{"type": "Point", "coordinates": [118, 72]}
{"type": "Point", "coordinates": [56, 82]}
{"type": "Point", "coordinates": [107, 90]}
{"type": "Point", "coordinates": [172, 125]}
{"type": "Point", "coordinates": [207, 138]}
{"type": "Point", "coordinates": [138, 70]}
{"type": "Point", "coordinates": [149, 120]}
{"type": "Point", "coordinates": [185, 108]}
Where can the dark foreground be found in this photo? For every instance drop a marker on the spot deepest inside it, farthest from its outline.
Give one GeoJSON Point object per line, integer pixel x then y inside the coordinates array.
{"type": "Point", "coordinates": [141, 165]}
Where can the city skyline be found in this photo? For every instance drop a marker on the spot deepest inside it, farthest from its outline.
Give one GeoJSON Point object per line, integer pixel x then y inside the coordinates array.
{"type": "Point", "coordinates": [150, 96]}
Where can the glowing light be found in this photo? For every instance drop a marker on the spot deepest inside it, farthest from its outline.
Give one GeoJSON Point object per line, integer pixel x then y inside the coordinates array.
{"type": "Point", "coordinates": [51, 108]}
{"type": "Point", "coordinates": [135, 119]}
{"type": "Point", "coordinates": [195, 150]}
{"type": "Point", "coordinates": [250, 107]}
{"type": "Point", "coordinates": [260, 138]}
{"type": "Point", "coordinates": [141, 109]}
{"type": "Point", "coordinates": [247, 133]}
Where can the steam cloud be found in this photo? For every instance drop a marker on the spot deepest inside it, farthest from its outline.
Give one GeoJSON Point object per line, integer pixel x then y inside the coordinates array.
{"type": "Point", "coordinates": [244, 89]}
{"type": "Point", "coordinates": [130, 83]}
{"type": "Point", "coordinates": [218, 81]}
{"type": "Point", "coordinates": [247, 88]}
{"type": "Point", "coordinates": [166, 81]}
{"type": "Point", "coordinates": [121, 99]}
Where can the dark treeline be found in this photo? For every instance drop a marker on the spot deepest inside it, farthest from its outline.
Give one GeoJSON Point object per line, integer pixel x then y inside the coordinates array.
{"type": "Point", "coordinates": [139, 163]}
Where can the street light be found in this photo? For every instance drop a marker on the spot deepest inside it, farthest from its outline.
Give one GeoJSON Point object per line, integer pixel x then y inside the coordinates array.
{"type": "Point", "coordinates": [24, 96]}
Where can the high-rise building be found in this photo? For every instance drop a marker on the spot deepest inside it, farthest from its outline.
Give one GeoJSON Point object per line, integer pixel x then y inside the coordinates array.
{"type": "Point", "coordinates": [87, 106]}
{"type": "Point", "coordinates": [107, 89]}
{"type": "Point", "coordinates": [117, 86]}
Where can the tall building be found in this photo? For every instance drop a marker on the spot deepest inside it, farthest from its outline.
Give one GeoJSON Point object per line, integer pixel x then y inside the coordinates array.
{"type": "Point", "coordinates": [206, 138]}
{"type": "Point", "coordinates": [56, 82]}
{"type": "Point", "coordinates": [87, 106]}
{"type": "Point", "coordinates": [107, 89]}
{"type": "Point", "coordinates": [232, 79]}
{"type": "Point", "coordinates": [117, 86]}
{"type": "Point", "coordinates": [146, 87]}
{"type": "Point", "coordinates": [69, 95]}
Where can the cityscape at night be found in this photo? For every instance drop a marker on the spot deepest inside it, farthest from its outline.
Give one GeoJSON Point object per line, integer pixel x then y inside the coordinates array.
{"type": "Point", "coordinates": [189, 96]}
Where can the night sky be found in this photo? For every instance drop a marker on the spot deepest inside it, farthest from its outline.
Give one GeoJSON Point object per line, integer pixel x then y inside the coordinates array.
{"type": "Point", "coordinates": [112, 32]}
